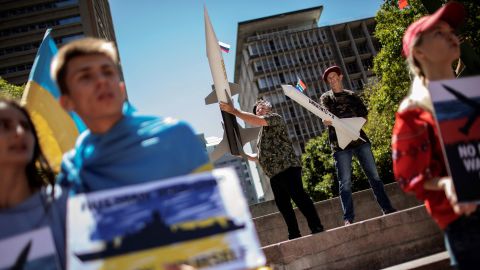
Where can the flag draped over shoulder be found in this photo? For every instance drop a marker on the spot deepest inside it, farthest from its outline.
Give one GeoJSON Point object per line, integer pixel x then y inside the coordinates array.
{"type": "Point", "coordinates": [57, 130]}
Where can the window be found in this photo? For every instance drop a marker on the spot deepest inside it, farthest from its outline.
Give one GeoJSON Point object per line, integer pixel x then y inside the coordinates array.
{"type": "Point", "coordinates": [252, 50]}
{"type": "Point", "coordinates": [75, 19]}
{"type": "Point", "coordinates": [297, 130]}
{"type": "Point", "coordinates": [69, 38]}
{"type": "Point", "coordinates": [272, 45]}
{"type": "Point", "coordinates": [352, 67]}
{"type": "Point", "coordinates": [63, 3]}
{"type": "Point", "coordinates": [363, 48]}
{"type": "Point", "coordinates": [262, 84]}
{"type": "Point", "coordinates": [292, 112]}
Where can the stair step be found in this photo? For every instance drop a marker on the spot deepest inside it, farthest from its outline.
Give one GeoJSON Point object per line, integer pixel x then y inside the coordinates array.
{"type": "Point", "coordinates": [438, 261]}
{"type": "Point", "coordinates": [272, 229]}
{"type": "Point", "coordinates": [269, 207]}
{"type": "Point", "coordinates": [371, 244]}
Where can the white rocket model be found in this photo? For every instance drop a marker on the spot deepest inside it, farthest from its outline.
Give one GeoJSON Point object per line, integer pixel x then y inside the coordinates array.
{"type": "Point", "coordinates": [234, 136]}
{"type": "Point", "coordinates": [347, 129]}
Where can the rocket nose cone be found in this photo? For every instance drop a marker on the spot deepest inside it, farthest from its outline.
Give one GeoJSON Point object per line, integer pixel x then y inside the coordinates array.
{"type": "Point", "coordinates": [205, 15]}
{"type": "Point", "coordinates": [210, 37]}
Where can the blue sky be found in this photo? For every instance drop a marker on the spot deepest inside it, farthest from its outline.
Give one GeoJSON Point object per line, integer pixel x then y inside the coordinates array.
{"type": "Point", "coordinates": [162, 48]}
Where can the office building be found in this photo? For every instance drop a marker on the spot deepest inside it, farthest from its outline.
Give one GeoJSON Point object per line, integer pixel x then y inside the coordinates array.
{"type": "Point", "coordinates": [242, 169]}
{"type": "Point", "coordinates": [23, 24]}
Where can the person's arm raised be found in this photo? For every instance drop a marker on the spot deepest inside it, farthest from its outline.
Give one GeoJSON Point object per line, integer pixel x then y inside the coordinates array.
{"type": "Point", "coordinates": [250, 118]}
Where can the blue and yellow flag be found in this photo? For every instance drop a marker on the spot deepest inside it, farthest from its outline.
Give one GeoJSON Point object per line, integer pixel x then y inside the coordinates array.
{"type": "Point", "coordinates": [57, 129]}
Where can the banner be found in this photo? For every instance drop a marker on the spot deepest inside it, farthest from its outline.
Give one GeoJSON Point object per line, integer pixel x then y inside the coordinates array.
{"type": "Point", "coordinates": [457, 110]}
{"type": "Point", "coordinates": [200, 220]}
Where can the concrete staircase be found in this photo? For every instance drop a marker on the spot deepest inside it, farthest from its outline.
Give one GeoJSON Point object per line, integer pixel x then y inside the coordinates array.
{"type": "Point", "coordinates": [374, 241]}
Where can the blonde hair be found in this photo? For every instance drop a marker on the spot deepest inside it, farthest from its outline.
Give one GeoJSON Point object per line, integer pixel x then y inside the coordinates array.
{"type": "Point", "coordinates": [81, 47]}
{"type": "Point", "coordinates": [418, 95]}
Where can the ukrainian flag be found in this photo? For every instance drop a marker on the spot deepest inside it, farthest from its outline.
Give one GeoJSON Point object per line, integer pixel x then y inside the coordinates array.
{"type": "Point", "coordinates": [57, 130]}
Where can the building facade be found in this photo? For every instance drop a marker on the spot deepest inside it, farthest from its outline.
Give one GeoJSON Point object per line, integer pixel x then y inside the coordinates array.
{"type": "Point", "coordinates": [242, 169]}
{"type": "Point", "coordinates": [280, 49]}
{"type": "Point", "coordinates": [23, 24]}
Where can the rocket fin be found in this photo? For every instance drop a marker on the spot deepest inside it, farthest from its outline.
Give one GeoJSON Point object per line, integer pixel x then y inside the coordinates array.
{"type": "Point", "coordinates": [234, 88]}
{"type": "Point", "coordinates": [212, 97]}
{"type": "Point", "coordinates": [356, 123]}
{"type": "Point", "coordinates": [343, 138]}
{"type": "Point", "coordinates": [221, 149]}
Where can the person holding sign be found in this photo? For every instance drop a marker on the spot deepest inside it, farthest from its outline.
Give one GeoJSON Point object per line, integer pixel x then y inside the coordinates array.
{"type": "Point", "coordinates": [29, 201]}
{"type": "Point", "coordinates": [279, 162]}
{"type": "Point", "coordinates": [431, 46]}
{"type": "Point", "coordinates": [344, 104]}
{"type": "Point", "coordinates": [118, 148]}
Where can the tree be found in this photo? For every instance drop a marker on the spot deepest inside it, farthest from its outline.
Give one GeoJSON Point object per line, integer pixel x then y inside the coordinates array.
{"type": "Point", "coordinates": [9, 90]}
{"type": "Point", "coordinates": [318, 169]}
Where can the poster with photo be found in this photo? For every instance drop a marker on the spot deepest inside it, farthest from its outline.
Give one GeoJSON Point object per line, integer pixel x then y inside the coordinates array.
{"type": "Point", "coordinates": [457, 109]}
{"type": "Point", "coordinates": [31, 250]}
{"type": "Point", "coordinates": [200, 220]}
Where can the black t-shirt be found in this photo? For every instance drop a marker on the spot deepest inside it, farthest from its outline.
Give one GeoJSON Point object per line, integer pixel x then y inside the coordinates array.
{"type": "Point", "coordinates": [344, 105]}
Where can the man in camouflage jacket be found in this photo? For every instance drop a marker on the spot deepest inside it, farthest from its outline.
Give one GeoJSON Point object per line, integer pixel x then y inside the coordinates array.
{"type": "Point", "coordinates": [282, 166]}
{"type": "Point", "coordinates": [345, 103]}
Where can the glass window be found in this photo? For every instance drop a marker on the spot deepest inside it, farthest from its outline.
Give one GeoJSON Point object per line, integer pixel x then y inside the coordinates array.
{"type": "Point", "coordinates": [69, 38]}
{"type": "Point", "coordinates": [75, 19]}
{"type": "Point", "coordinates": [64, 3]}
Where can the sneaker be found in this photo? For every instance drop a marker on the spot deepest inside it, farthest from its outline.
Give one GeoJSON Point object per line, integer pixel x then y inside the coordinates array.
{"type": "Point", "coordinates": [291, 237]}
{"type": "Point", "coordinates": [318, 229]}
{"type": "Point", "coordinates": [348, 222]}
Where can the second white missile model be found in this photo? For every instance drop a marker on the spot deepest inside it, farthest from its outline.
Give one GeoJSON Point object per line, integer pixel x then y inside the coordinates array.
{"type": "Point", "coordinates": [234, 136]}
{"type": "Point", "coordinates": [347, 129]}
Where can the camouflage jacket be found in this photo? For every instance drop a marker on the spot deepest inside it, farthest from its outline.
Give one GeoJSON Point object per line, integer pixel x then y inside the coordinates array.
{"type": "Point", "coordinates": [344, 104]}
{"type": "Point", "coordinates": [275, 150]}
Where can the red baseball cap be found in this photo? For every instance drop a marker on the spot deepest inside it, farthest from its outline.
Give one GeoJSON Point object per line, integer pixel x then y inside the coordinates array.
{"type": "Point", "coordinates": [452, 13]}
{"type": "Point", "coordinates": [335, 69]}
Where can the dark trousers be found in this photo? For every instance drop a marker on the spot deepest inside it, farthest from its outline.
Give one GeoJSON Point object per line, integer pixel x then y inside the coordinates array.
{"type": "Point", "coordinates": [462, 239]}
{"type": "Point", "coordinates": [288, 185]}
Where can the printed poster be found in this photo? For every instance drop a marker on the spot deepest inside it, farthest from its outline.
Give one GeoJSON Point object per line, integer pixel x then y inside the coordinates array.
{"type": "Point", "coordinates": [201, 220]}
{"type": "Point", "coordinates": [31, 250]}
{"type": "Point", "coordinates": [457, 109]}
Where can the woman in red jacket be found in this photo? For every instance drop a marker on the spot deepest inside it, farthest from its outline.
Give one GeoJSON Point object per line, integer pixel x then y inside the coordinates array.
{"type": "Point", "coordinates": [431, 47]}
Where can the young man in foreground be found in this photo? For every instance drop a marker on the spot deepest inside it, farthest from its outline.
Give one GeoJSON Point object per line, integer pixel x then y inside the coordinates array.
{"type": "Point", "coordinates": [117, 149]}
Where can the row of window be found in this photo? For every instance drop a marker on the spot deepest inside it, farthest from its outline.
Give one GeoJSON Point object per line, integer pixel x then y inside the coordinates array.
{"type": "Point", "coordinates": [29, 46]}
{"type": "Point", "coordinates": [342, 35]}
{"type": "Point", "coordinates": [36, 8]}
{"type": "Point", "coordinates": [19, 48]}
{"type": "Point", "coordinates": [40, 25]}
{"type": "Point", "coordinates": [308, 73]}
{"type": "Point", "coordinates": [34, 45]}
{"type": "Point", "coordinates": [14, 69]}
{"type": "Point", "coordinates": [283, 43]}
{"type": "Point", "coordinates": [306, 56]}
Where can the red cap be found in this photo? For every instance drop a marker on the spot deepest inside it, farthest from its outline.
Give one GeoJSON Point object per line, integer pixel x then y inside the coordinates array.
{"type": "Point", "coordinates": [335, 69]}
{"type": "Point", "coordinates": [452, 13]}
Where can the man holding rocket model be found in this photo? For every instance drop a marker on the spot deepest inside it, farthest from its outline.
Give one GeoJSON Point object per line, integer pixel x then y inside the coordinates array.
{"type": "Point", "coordinates": [275, 150]}
{"type": "Point", "coordinates": [345, 104]}
{"type": "Point", "coordinates": [279, 162]}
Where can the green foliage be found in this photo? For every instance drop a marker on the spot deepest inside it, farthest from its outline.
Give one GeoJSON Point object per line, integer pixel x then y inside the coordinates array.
{"type": "Point", "coordinates": [471, 29]}
{"type": "Point", "coordinates": [318, 169]}
{"type": "Point", "coordinates": [9, 90]}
